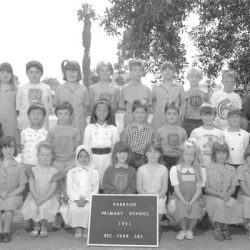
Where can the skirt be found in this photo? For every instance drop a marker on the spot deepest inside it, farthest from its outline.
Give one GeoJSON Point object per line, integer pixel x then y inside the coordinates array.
{"type": "Point", "coordinates": [47, 211]}
{"type": "Point", "coordinates": [245, 205]}
{"type": "Point", "coordinates": [223, 212]}
{"type": "Point", "coordinates": [75, 216]}
{"type": "Point", "coordinates": [11, 203]}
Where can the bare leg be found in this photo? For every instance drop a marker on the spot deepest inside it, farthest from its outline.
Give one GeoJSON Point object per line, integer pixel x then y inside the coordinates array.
{"type": "Point", "coordinates": [85, 233]}
{"type": "Point", "coordinates": [183, 223]}
{"type": "Point", "coordinates": [8, 218]}
{"type": "Point", "coordinates": [192, 224]}
{"type": "Point", "coordinates": [1, 222]}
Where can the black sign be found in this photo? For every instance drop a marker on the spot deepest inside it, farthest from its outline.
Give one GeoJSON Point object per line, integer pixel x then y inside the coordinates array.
{"type": "Point", "coordinates": [124, 220]}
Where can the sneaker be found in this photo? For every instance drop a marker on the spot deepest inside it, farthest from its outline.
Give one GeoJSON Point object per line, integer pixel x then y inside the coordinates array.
{"type": "Point", "coordinates": [44, 232]}
{"type": "Point", "coordinates": [78, 233]}
{"type": "Point", "coordinates": [218, 234]}
{"type": "Point", "coordinates": [7, 237]}
{"type": "Point", "coordinates": [226, 234]}
{"type": "Point", "coordinates": [34, 232]}
{"type": "Point", "coordinates": [181, 235]}
{"type": "Point", "coordinates": [189, 235]}
{"type": "Point", "coordinates": [58, 222]}
{"type": "Point", "coordinates": [28, 225]}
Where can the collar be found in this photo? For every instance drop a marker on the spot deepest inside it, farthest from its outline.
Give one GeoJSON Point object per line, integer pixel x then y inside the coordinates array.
{"type": "Point", "coordinates": [67, 85]}
{"type": "Point", "coordinates": [185, 169]}
{"type": "Point", "coordinates": [6, 88]}
{"type": "Point", "coordinates": [80, 169]}
{"type": "Point", "coordinates": [122, 167]}
{"type": "Point", "coordinates": [133, 125]}
{"type": "Point", "coordinates": [11, 163]}
{"type": "Point", "coordinates": [174, 83]}
{"type": "Point", "coordinates": [98, 125]}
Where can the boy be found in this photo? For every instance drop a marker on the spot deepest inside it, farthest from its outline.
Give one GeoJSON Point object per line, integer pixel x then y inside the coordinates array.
{"type": "Point", "coordinates": [225, 99]}
{"type": "Point", "coordinates": [168, 91]}
{"type": "Point", "coordinates": [34, 92]}
{"type": "Point", "coordinates": [138, 134]}
{"type": "Point", "coordinates": [134, 90]}
{"type": "Point", "coordinates": [207, 134]}
{"type": "Point", "coordinates": [64, 138]}
{"type": "Point", "coordinates": [236, 138]}
{"type": "Point", "coordinates": [30, 138]}
{"type": "Point", "coordinates": [193, 99]}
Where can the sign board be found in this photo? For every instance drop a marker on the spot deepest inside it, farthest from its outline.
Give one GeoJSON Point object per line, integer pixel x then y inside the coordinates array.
{"type": "Point", "coordinates": [123, 220]}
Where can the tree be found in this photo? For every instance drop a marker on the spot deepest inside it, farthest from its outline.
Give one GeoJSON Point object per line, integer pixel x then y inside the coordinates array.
{"type": "Point", "coordinates": [222, 38]}
{"type": "Point", "coordinates": [151, 30]}
{"type": "Point", "coordinates": [52, 82]}
{"type": "Point", "coordinates": [85, 15]}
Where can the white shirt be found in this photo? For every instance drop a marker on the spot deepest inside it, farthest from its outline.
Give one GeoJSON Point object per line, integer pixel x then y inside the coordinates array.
{"type": "Point", "coordinates": [205, 139]}
{"type": "Point", "coordinates": [82, 183]}
{"type": "Point", "coordinates": [30, 138]}
{"type": "Point", "coordinates": [223, 102]}
{"type": "Point", "coordinates": [100, 136]}
{"type": "Point", "coordinates": [237, 142]}
{"type": "Point", "coordinates": [174, 175]}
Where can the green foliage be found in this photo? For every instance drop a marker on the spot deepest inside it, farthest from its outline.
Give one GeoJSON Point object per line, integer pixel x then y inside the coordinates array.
{"type": "Point", "coordinates": [151, 30]}
{"type": "Point", "coordinates": [222, 38]}
{"type": "Point", "coordinates": [52, 82]}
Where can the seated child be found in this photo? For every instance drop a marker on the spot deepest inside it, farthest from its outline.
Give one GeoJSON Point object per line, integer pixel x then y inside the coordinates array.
{"type": "Point", "coordinates": [12, 184]}
{"type": "Point", "coordinates": [82, 182]}
{"type": "Point", "coordinates": [188, 178]}
{"type": "Point", "coordinates": [120, 178]}
{"type": "Point", "coordinates": [221, 182]}
{"type": "Point", "coordinates": [41, 204]}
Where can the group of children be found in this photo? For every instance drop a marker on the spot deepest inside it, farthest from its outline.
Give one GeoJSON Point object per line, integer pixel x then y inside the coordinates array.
{"type": "Point", "coordinates": [193, 166]}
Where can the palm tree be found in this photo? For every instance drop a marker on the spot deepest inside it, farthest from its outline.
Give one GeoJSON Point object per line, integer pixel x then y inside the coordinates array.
{"type": "Point", "coordinates": [85, 15]}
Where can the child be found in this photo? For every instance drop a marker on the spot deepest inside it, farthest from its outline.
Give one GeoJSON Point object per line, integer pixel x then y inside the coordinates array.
{"type": "Point", "coordinates": [12, 184]}
{"type": "Point", "coordinates": [74, 93]}
{"type": "Point", "coordinates": [243, 172]}
{"type": "Point", "coordinates": [169, 91]}
{"type": "Point", "coordinates": [64, 138]}
{"type": "Point", "coordinates": [194, 97]}
{"type": "Point", "coordinates": [225, 99]}
{"type": "Point", "coordinates": [138, 134]}
{"type": "Point", "coordinates": [41, 204]}
{"type": "Point", "coordinates": [207, 134]}
{"type": "Point", "coordinates": [101, 135]}
{"type": "Point", "coordinates": [82, 182]}
{"type": "Point", "coordinates": [120, 178]}
{"type": "Point", "coordinates": [221, 182]}
{"type": "Point", "coordinates": [33, 135]}
{"type": "Point", "coordinates": [187, 178]}
{"type": "Point", "coordinates": [105, 88]}
{"type": "Point", "coordinates": [152, 178]}
{"type": "Point", "coordinates": [8, 90]}
{"type": "Point", "coordinates": [134, 90]}
{"type": "Point", "coordinates": [236, 138]}
{"type": "Point", "coordinates": [171, 136]}
{"type": "Point", "coordinates": [34, 92]}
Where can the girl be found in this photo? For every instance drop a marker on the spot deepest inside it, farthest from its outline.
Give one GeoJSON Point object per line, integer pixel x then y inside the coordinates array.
{"type": "Point", "coordinates": [73, 92]}
{"type": "Point", "coordinates": [82, 182]}
{"type": "Point", "coordinates": [101, 135]}
{"type": "Point", "coordinates": [41, 204]}
{"type": "Point", "coordinates": [12, 184]}
{"type": "Point", "coordinates": [8, 91]}
{"type": "Point", "coordinates": [187, 178]}
{"type": "Point", "coordinates": [120, 178]}
{"type": "Point", "coordinates": [243, 172]}
{"type": "Point", "coordinates": [152, 178]}
{"type": "Point", "coordinates": [221, 182]}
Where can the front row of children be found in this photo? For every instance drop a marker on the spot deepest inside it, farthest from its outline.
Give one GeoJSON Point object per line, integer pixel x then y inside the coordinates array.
{"type": "Point", "coordinates": [186, 205]}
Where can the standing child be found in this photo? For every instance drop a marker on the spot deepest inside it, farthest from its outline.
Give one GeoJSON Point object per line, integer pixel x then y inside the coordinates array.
{"type": "Point", "coordinates": [152, 178]}
{"type": "Point", "coordinates": [12, 184]}
{"type": "Point", "coordinates": [8, 91]}
{"type": "Point", "coordinates": [207, 134]}
{"type": "Point", "coordinates": [167, 92]}
{"type": "Point", "coordinates": [120, 178]}
{"type": "Point", "coordinates": [221, 182]}
{"type": "Point", "coordinates": [243, 172]}
{"type": "Point", "coordinates": [82, 182]}
{"type": "Point", "coordinates": [34, 92]}
{"type": "Point", "coordinates": [101, 135]}
{"type": "Point", "coordinates": [225, 99]}
{"type": "Point", "coordinates": [138, 134]}
{"type": "Point", "coordinates": [64, 138]}
{"type": "Point", "coordinates": [187, 178]}
{"type": "Point", "coordinates": [134, 90]}
{"type": "Point", "coordinates": [41, 204]}
{"type": "Point", "coordinates": [74, 93]}
{"type": "Point", "coordinates": [236, 138]}
{"type": "Point", "coordinates": [194, 97]}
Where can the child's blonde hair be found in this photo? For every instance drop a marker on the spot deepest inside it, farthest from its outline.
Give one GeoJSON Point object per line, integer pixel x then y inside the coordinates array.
{"type": "Point", "coordinates": [194, 70]}
{"type": "Point", "coordinates": [191, 144]}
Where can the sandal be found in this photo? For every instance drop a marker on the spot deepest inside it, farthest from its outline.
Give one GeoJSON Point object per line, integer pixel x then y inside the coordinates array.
{"type": "Point", "coordinates": [226, 234]}
{"type": "Point", "coordinates": [34, 232]}
{"type": "Point", "coordinates": [218, 234]}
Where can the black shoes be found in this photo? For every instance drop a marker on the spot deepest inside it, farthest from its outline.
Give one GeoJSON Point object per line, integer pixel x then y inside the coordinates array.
{"type": "Point", "coordinates": [6, 237]}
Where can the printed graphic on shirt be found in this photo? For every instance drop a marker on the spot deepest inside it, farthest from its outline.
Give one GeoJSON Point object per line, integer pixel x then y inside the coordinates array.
{"type": "Point", "coordinates": [195, 102]}
{"type": "Point", "coordinates": [208, 143]}
{"type": "Point", "coordinates": [223, 108]}
{"type": "Point", "coordinates": [107, 96]}
{"type": "Point", "coordinates": [121, 181]}
{"type": "Point", "coordinates": [171, 142]}
{"type": "Point", "coordinates": [35, 96]}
